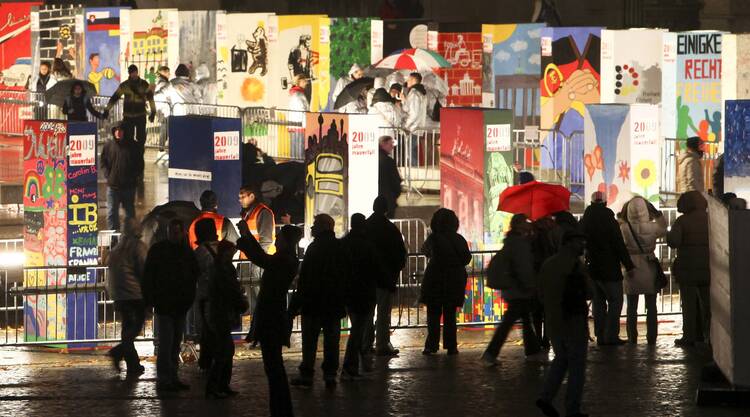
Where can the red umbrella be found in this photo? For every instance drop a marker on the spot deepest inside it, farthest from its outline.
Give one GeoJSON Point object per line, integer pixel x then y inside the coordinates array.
{"type": "Point", "coordinates": [535, 199]}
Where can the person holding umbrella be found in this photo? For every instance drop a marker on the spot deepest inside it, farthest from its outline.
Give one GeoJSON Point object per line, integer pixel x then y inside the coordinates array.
{"type": "Point", "coordinates": [355, 72]}
{"type": "Point", "coordinates": [77, 103]}
{"type": "Point", "coordinates": [353, 98]}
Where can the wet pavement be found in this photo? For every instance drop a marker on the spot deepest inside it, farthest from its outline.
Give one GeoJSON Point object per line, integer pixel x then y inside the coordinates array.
{"type": "Point", "coordinates": [633, 380]}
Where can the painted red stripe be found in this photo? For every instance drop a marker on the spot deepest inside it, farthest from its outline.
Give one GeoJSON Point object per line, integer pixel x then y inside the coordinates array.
{"type": "Point", "coordinates": [105, 26]}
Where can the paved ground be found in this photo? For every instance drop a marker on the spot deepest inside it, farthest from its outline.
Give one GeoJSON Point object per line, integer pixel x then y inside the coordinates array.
{"type": "Point", "coordinates": [627, 381]}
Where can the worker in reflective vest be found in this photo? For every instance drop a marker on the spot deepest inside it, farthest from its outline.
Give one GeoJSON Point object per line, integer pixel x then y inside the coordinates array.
{"type": "Point", "coordinates": [259, 218]}
{"type": "Point", "coordinates": [224, 228]}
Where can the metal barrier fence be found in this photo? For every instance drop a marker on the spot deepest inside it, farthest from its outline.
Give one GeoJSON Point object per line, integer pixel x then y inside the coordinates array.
{"type": "Point", "coordinates": [89, 304]}
{"type": "Point", "coordinates": [669, 166]}
{"type": "Point", "coordinates": [551, 156]}
{"type": "Point", "coordinates": [417, 156]}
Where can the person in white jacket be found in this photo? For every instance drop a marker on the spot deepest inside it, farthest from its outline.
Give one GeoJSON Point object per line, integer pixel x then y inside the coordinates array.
{"type": "Point", "coordinates": [415, 103]}
{"type": "Point", "coordinates": [297, 98]}
{"type": "Point", "coordinates": [355, 72]}
{"type": "Point", "coordinates": [382, 104]}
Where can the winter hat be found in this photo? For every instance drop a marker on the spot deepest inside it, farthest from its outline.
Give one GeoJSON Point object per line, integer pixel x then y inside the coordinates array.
{"type": "Point", "coordinates": [598, 197]}
{"type": "Point", "coordinates": [132, 69]}
{"type": "Point", "coordinates": [694, 143]}
{"type": "Point", "coordinates": [525, 177]}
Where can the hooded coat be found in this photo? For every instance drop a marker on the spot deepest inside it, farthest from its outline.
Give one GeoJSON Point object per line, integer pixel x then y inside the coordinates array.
{"type": "Point", "coordinates": [415, 107]}
{"type": "Point", "coordinates": [605, 247]}
{"type": "Point", "coordinates": [445, 277]}
{"type": "Point", "coordinates": [689, 235]}
{"type": "Point", "coordinates": [390, 249]}
{"type": "Point", "coordinates": [690, 172]}
{"type": "Point", "coordinates": [343, 82]}
{"type": "Point", "coordinates": [384, 106]}
{"type": "Point", "coordinates": [642, 278]}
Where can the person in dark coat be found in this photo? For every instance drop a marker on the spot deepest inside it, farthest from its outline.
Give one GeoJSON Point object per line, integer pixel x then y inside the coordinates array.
{"type": "Point", "coordinates": [391, 255]}
{"type": "Point", "coordinates": [544, 244]}
{"type": "Point", "coordinates": [444, 283]}
{"type": "Point", "coordinates": [360, 294]}
{"type": "Point", "coordinates": [321, 291]}
{"type": "Point", "coordinates": [121, 160]}
{"type": "Point", "coordinates": [204, 236]}
{"type": "Point", "coordinates": [77, 103]}
{"type": "Point", "coordinates": [169, 286]}
{"type": "Point", "coordinates": [521, 296]}
{"type": "Point", "coordinates": [563, 285]}
{"type": "Point", "coordinates": [689, 235]}
{"type": "Point", "coordinates": [389, 179]}
{"type": "Point", "coordinates": [273, 324]}
{"type": "Point", "coordinates": [224, 307]}
{"type": "Point", "coordinates": [125, 264]}
{"type": "Point", "coordinates": [718, 178]}
{"type": "Point", "coordinates": [605, 252]}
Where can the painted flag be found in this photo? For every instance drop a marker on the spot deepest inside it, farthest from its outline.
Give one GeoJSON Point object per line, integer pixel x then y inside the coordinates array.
{"type": "Point", "coordinates": [101, 20]}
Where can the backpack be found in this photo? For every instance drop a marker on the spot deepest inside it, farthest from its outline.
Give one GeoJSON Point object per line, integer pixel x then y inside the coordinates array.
{"type": "Point", "coordinates": [500, 275]}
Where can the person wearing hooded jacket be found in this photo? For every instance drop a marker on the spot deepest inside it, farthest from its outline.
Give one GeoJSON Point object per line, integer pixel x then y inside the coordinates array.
{"type": "Point", "coordinates": [382, 104]}
{"type": "Point", "coordinates": [690, 170]}
{"type": "Point", "coordinates": [415, 103]}
{"type": "Point", "coordinates": [689, 235]}
{"type": "Point", "coordinates": [521, 297]}
{"type": "Point", "coordinates": [125, 264]}
{"type": "Point", "coordinates": [77, 103]}
{"type": "Point", "coordinates": [641, 226]}
{"type": "Point", "coordinates": [180, 91]}
{"type": "Point", "coordinates": [444, 284]}
{"type": "Point", "coordinates": [355, 72]}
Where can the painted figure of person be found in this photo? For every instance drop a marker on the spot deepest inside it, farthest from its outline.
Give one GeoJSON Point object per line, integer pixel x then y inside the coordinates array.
{"type": "Point", "coordinates": [684, 120]}
{"type": "Point", "coordinates": [258, 50]}
{"type": "Point", "coordinates": [300, 58]}
{"type": "Point", "coordinates": [95, 76]}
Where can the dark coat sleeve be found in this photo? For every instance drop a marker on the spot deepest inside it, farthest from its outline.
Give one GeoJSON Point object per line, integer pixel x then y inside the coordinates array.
{"type": "Point", "coordinates": [90, 107]}
{"type": "Point", "coordinates": [618, 242]}
{"type": "Point", "coordinates": [230, 232]}
{"type": "Point", "coordinates": [150, 272]}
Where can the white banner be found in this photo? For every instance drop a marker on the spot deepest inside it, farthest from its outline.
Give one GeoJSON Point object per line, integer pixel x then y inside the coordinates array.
{"type": "Point", "coordinates": [227, 146]}
{"type": "Point", "coordinates": [189, 174]}
{"type": "Point", "coordinates": [82, 150]}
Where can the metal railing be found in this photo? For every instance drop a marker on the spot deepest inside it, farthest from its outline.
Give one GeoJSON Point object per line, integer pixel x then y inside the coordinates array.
{"type": "Point", "coordinates": [278, 133]}
{"type": "Point", "coordinates": [417, 156]}
{"type": "Point", "coordinates": [669, 166]}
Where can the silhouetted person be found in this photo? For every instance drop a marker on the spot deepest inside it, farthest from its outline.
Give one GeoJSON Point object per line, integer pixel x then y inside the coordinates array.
{"type": "Point", "coordinates": [207, 247]}
{"type": "Point", "coordinates": [521, 296]}
{"type": "Point", "coordinates": [391, 255]}
{"type": "Point", "coordinates": [689, 235]}
{"type": "Point", "coordinates": [273, 324]}
{"type": "Point", "coordinates": [77, 103]}
{"type": "Point", "coordinates": [125, 264]}
{"type": "Point", "coordinates": [225, 305]}
{"type": "Point", "coordinates": [642, 226]}
{"type": "Point", "coordinates": [444, 284]}
{"type": "Point", "coordinates": [322, 292]}
{"type": "Point", "coordinates": [360, 295]}
{"type": "Point", "coordinates": [169, 285]}
{"type": "Point", "coordinates": [389, 179]}
{"type": "Point", "coordinates": [543, 246]}
{"type": "Point", "coordinates": [121, 160]}
{"type": "Point", "coordinates": [563, 285]}
{"type": "Point", "coordinates": [605, 252]}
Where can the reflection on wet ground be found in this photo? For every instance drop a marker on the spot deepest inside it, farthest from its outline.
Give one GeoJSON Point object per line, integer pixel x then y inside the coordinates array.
{"type": "Point", "coordinates": [634, 380]}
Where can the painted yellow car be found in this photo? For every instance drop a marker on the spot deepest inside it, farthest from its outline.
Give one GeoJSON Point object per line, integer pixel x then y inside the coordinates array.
{"type": "Point", "coordinates": [325, 189]}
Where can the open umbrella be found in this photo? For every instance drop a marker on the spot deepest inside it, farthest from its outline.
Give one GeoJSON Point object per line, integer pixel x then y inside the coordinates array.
{"type": "Point", "coordinates": [415, 59]}
{"type": "Point", "coordinates": [535, 199]}
{"type": "Point", "coordinates": [352, 91]}
{"type": "Point", "coordinates": [59, 92]}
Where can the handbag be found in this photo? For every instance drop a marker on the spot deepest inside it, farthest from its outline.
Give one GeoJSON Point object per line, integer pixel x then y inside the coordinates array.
{"type": "Point", "coordinates": [660, 278]}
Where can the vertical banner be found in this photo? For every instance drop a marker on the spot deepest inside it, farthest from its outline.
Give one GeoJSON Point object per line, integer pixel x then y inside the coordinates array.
{"type": "Point", "coordinates": [351, 43]}
{"type": "Point", "coordinates": [376, 40]}
{"type": "Point", "coordinates": [645, 151]}
{"type": "Point", "coordinates": [45, 238]}
{"type": "Point", "coordinates": [461, 45]}
{"type": "Point", "coordinates": [363, 162]}
{"type": "Point", "coordinates": [57, 37]}
{"type": "Point", "coordinates": [199, 28]}
{"type": "Point", "coordinates": [327, 169]}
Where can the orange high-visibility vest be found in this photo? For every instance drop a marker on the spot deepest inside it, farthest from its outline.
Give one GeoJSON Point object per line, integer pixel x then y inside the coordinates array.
{"type": "Point", "coordinates": [218, 221]}
{"type": "Point", "coordinates": [252, 223]}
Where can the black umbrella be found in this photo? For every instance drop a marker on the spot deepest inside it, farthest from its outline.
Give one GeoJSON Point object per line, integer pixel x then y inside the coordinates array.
{"type": "Point", "coordinates": [59, 92]}
{"type": "Point", "coordinates": [352, 91]}
{"type": "Point", "coordinates": [155, 223]}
